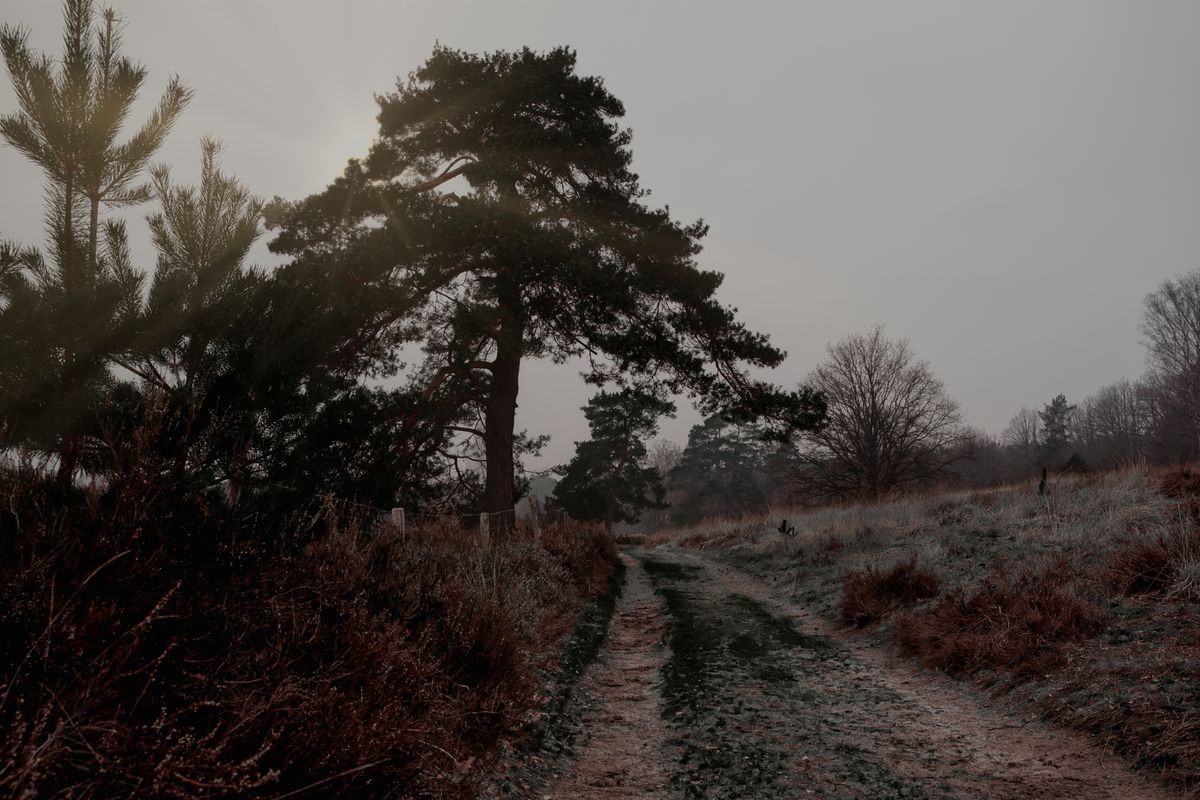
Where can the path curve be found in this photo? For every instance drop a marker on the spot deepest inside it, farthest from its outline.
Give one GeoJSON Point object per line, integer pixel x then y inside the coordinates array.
{"type": "Point", "coordinates": [712, 685]}
{"type": "Point", "coordinates": [991, 752]}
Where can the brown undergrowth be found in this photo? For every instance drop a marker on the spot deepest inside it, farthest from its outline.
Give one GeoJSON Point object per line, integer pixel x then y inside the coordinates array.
{"type": "Point", "coordinates": [1018, 623]}
{"type": "Point", "coordinates": [153, 649]}
{"type": "Point", "coordinates": [871, 593]}
{"type": "Point", "coordinates": [1167, 565]}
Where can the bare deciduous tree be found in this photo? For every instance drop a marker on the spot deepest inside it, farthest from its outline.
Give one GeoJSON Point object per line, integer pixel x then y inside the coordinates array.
{"type": "Point", "coordinates": [1023, 435]}
{"type": "Point", "coordinates": [1113, 424]}
{"type": "Point", "coordinates": [1171, 324]}
{"type": "Point", "coordinates": [1171, 332]}
{"type": "Point", "coordinates": [890, 421]}
{"type": "Point", "coordinates": [664, 456]}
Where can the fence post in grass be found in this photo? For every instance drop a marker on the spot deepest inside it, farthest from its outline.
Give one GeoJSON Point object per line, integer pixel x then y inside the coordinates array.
{"type": "Point", "coordinates": [398, 519]}
{"type": "Point", "coordinates": [483, 528]}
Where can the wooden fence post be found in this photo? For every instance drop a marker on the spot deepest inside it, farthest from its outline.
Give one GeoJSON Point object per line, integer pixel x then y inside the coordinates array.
{"type": "Point", "coordinates": [483, 528]}
{"type": "Point", "coordinates": [398, 519]}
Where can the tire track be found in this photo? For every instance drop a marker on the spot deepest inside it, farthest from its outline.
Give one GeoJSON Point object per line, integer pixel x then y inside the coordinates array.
{"type": "Point", "coordinates": [625, 755]}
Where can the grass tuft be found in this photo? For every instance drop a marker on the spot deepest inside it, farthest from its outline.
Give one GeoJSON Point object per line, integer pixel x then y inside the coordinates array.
{"type": "Point", "coordinates": [1167, 566]}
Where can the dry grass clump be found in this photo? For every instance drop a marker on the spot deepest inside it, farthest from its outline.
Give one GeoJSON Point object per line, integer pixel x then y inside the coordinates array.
{"type": "Point", "coordinates": [1179, 482]}
{"type": "Point", "coordinates": [1162, 560]}
{"type": "Point", "coordinates": [871, 593]}
{"type": "Point", "coordinates": [1016, 623]}
{"type": "Point", "coordinates": [712, 532]}
{"type": "Point", "coordinates": [1167, 565]}
{"type": "Point", "coordinates": [156, 650]}
{"type": "Point", "coordinates": [1174, 746]}
{"type": "Point", "coordinates": [1136, 691]}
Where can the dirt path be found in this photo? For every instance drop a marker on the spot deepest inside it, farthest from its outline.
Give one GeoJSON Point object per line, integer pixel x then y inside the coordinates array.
{"type": "Point", "coordinates": [979, 750]}
{"type": "Point", "coordinates": [756, 698]}
{"type": "Point", "coordinates": [624, 755]}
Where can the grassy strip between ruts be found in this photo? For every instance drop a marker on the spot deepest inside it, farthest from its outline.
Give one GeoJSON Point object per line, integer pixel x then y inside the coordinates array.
{"type": "Point", "coordinates": [751, 702]}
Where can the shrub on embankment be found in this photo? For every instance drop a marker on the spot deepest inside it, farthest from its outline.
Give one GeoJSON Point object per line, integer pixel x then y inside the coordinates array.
{"type": "Point", "coordinates": [871, 593]}
{"type": "Point", "coordinates": [153, 649]}
{"type": "Point", "coordinates": [1017, 623]}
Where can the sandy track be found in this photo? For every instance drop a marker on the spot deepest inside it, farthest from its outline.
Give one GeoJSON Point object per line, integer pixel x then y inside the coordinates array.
{"type": "Point", "coordinates": [756, 697]}
{"type": "Point", "coordinates": [625, 752]}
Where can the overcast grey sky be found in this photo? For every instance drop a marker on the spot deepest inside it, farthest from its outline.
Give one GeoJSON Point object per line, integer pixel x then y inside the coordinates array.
{"type": "Point", "coordinates": [1001, 183]}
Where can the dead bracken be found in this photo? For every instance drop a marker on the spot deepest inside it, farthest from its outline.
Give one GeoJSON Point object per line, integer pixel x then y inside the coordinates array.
{"type": "Point", "coordinates": [871, 593]}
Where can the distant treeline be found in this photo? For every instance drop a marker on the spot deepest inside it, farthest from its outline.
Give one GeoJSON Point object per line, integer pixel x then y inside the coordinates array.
{"type": "Point", "coordinates": [891, 427]}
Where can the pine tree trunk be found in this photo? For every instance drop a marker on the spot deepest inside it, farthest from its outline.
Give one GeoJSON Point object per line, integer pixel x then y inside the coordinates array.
{"type": "Point", "coordinates": [500, 420]}
{"type": "Point", "coordinates": [68, 454]}
{"type": "Point", "coordinates": [93, 233]}
{"type": "Point", "coordinates": [68, 457]}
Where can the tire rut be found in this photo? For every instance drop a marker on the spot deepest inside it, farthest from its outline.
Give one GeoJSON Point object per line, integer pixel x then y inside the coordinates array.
{"type": "Point", "coordinates": [624, 755]}
{"type": "Point", "coordinates": [758, 708]}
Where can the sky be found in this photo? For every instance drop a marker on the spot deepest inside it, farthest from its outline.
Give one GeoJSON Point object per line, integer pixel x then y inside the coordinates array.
{"type": "Point", "coordinates": [999, 183]}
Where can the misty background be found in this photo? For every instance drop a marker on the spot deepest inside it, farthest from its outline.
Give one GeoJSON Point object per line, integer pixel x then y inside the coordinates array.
{"type": "Point", "coordinates": [1001, 184]}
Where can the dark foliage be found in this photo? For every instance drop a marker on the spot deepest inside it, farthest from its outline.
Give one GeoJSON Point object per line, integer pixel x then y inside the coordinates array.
{"type": "Point", "coordinates": [1056, 430]}
{"type": "Point", "coordinates": [609, 478]}
{"type": "Point", "coordinates": [719, 472]}
{"type": "Point", "coordinates": [64, 316]}
{"type": "Point", "coordinates": [149, 650]}
{"type": "Point", "coordinates": [550, 252]}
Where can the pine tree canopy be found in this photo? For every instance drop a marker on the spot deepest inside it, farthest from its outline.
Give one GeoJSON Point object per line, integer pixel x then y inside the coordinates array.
{"type": "Point", "coordinates": [609, 478]}
{"type": "Point", "coordinates": [72, 311]}
{"type": "Point", "coordinates": [498, 209]}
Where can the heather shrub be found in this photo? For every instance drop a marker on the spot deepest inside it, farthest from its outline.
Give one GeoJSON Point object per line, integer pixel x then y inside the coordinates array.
{"type": "Point", "coordinates": [871, 593]}
{"type": "Point", "coordinates": [584, 551]}
{"type": "Point", "coordinates": [152, 647]}
{"type": "Point", "coordinates": [1014, 623]}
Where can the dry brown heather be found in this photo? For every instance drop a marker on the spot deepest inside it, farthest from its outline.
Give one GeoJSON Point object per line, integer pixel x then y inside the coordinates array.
{"type": "Point", "coordinates": [1084, 605]}
{"type": "Point", "coordinates": [365, 664]}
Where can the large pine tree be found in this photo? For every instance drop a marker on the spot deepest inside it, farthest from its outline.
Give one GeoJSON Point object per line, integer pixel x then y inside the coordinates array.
{"type": "Point", "coordinates": [499, 215]}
